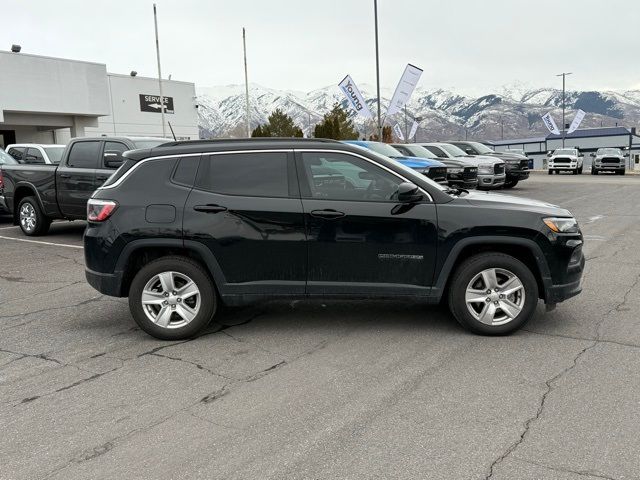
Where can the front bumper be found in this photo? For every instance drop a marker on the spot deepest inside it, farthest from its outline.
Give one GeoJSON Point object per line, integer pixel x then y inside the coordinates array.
{"type": "Point", "coordinates": [572, 285]}
{"type": "Point", "coordinates": [517, 174]}
{"type": "Point", "coordinates": [491, 180]}
{"type": "Point", "coordinates": [463, 183]}
{"type": "Point", "coordinates": [106, 283]}
{"type": "Point", "coordinates": [609, 166]}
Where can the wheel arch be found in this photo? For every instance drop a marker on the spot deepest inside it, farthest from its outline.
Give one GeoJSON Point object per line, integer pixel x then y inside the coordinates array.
{"type": "Point", "coordinates": [525, 250]}
{"type": "Point", "coordinates": [23, 190]}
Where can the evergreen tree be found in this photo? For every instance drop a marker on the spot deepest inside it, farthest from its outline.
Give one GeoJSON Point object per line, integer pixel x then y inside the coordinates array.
{"type": "Point", "coordinates": [279, 124]}
{"type": "Point", "coordinates": [336, 125]}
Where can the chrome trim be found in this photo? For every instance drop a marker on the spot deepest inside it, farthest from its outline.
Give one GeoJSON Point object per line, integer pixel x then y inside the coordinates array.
{"type": "Point", "coordinates": [162, 157]}
{"type": "Point", "coordinates": [346, 152]}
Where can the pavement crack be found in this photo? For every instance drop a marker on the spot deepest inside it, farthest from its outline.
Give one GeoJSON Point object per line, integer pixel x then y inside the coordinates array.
{"type": "Point", "coordinates": [195, 364]}
{"type": "Point", "coordinates": [582, 473]}
{"type": "Point", "coordinates": [50, 309]}
{"type": "Point", "coordinates": [41, 356]}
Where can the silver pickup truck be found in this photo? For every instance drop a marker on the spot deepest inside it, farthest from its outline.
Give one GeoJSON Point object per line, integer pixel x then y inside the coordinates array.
{"type": "Point", "coordinates": [608, 160]}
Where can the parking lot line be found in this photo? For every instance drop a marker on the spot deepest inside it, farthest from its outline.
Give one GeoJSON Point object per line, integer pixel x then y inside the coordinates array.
{"type": "Point", "coordinates": [7, 228]}
{"type": "Point", "coordinates": [41, 242]}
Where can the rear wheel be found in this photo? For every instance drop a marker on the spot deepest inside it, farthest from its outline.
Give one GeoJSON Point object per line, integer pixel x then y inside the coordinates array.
{"type": "Point", "coordinates": [31, 219]}
{"type": "Point", "coordinates": [172, 298]}
{"type": "Point", "coordinates": [493, 294]}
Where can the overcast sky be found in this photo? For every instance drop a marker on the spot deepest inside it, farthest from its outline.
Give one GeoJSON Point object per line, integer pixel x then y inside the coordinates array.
{"type": "Point", "coordinates": [470, 46]}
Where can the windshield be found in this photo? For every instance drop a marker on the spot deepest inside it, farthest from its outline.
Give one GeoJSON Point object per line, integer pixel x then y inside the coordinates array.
{"type": "Point", "coordinates": [420, 151]}
{"type": "Point", "coordinates": [565, 151]}
{"type": "Point", "coordinates": [54, 153]}
{"type": "Point", "coordinates": [608, 151]}
{"type": "Point", "coordinates": [452, 150]}
{"type": "Point", "coordinates": [384, 149]}
{"type": "Point", "coordinates": [480, 148]}
{"type": "Point", "coordinates": [150, 143]}
{"type": "Point", "coordinates": [6, 159]}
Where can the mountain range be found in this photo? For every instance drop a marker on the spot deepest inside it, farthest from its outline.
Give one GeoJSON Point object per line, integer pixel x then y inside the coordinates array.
{"type": "Point", "coordinates": [513, 111]}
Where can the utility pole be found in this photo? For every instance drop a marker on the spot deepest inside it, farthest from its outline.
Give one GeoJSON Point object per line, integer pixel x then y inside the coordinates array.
{"type": "Point", "coordinates": [155, 21]}
{"type": "Point", "coordinates": [375, 14]}
{"type": "Point", "coordinates": [564, 125]}
{"type": "Point", "coordinates": [246, 82]}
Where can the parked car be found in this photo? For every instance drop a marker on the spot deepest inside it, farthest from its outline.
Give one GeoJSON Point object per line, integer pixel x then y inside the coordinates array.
{"type": "Point", "coordinates": [491, 170]}
{"type": "Point", "coordinates": [36, 154]}
{"type": "Point", "coordinates": [186, 227]}
{"type": "Point", "coordinates": [608, 160]}
{"type": "Point", "coordinates": [5, 159]}
{"type": "Point", "coordinates": [517, 166]}
{"type": "Point", "coordinates": [565, 159]}
{"type": "Point", "coordinates": [460, 173]}
{"type": "Point", "coordinates": [38, 194]}
{"type": "Point", "coordinates": [434, 169]}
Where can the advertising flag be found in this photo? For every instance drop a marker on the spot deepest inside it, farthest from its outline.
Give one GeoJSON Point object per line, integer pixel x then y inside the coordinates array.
{"type": "Point", "coordinates": [414, 129]}
{"type": "Point", "coordinates": [550, 123]}
{"type": "Point", "coordinates": [577, 120]}
{"type": "Point", "coordinates": [398, 131]}
{"type": "Point", "coordinates": [405, 88]}
{"type": "Point", "coordinates": [354, 96]}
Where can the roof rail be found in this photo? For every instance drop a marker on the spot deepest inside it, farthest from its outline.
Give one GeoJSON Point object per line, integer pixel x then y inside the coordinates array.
{"type": "Point", "coordinates": [252, 139]}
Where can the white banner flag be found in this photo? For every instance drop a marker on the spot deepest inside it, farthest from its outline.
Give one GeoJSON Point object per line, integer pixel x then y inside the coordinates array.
{"type": "Point", "coordinates": [405, 88]}
{"type": "Point", "coordinates": [398, 131]}
{"type": "Point", "coordinates": [414, 129]}
{"type": "Point", "coordinates": [354, 96]}
{"type": "Point", "coordinates": [550, 123]}
{"type": "Point", "coordinates": [577, 120]}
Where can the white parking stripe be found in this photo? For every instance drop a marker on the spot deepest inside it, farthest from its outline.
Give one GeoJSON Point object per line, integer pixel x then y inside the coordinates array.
{"type": "Point", "coordinates": [42, 243]}
{"type": "Point", "coordinates": [7, 228]}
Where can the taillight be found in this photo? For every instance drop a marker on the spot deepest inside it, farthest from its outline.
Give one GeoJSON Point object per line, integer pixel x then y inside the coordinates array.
{"type": "Point", "coordinates": [100, 210]}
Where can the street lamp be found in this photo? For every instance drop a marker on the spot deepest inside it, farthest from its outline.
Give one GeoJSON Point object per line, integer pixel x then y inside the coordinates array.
{"type": "Point", "coordinates": [563, 75]}
{"type": "Point", "coordinates": [375, 15]}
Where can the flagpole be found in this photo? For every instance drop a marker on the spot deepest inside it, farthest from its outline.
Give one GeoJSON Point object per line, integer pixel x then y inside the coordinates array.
{"type": "Point", "coordinates": [155, 21]}
{"type": "Point", "coordinates": [563, 75]}
{"type": "Point", "coordinates": [375, 14]}
{"type": "Point", "coordinates": [246, 81]}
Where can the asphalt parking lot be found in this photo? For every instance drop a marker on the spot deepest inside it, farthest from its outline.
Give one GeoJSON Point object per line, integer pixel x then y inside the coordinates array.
{"type": "Point", "coordinates": [334, 390]}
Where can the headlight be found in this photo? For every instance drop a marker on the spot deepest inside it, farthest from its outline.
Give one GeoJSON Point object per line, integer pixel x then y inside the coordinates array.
{"type": "Point", "coordinates": [561, 225]}
{"type": "Point", "coordinates": [454, 170]}
{"type": "Point", "coordinates": [485, 168]}
{"type": "Point", "coordinates": [423, 171]}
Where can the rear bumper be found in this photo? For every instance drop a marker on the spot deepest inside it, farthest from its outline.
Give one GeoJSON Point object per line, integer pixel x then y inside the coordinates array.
{"type": "Point", "coordinates": [106, 283]}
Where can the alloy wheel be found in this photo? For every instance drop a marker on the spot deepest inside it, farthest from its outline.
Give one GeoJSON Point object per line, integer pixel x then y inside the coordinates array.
{"type": "Point", "coordinates": [171, 299]}
{"type": "Point", "coordinates": [28, 217]}
{"type": "Point", "coordinates": [495, 296]}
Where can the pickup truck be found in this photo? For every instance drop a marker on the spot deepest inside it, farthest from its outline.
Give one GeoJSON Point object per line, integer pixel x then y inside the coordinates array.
{"type": "Point", "coordinates": [37, 194]}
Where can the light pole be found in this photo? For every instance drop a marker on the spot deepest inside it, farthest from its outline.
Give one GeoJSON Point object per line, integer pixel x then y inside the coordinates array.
{"type": "Point", "coordinates": [375, 15]}
{"type": "Point", "coordinates": [155, 22]}
{"type": "Point", "coordinates": [564, 125]}
{"type": "Point", "coordinates": [246, 82]}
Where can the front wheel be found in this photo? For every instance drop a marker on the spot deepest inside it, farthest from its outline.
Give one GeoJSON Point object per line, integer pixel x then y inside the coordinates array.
{"type": "Point", "coordinates": [580, 171]}
{"type": "Point", "coordinates": [594, 171]}
{"type": "Point", "coordinates": [511, 183]}
{"type": "Point", "coordinates": [172, 298]}
{"type": "Point", "coordinates": [32, 220]}
{"type": "Point", "coordinates": [493, 294]}
{"type": "Point", "coordinates": [550, 172]}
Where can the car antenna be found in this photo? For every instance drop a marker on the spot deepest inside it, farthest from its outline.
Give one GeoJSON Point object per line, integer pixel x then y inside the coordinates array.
{"type": "Point", "coordinates": [174, 135]}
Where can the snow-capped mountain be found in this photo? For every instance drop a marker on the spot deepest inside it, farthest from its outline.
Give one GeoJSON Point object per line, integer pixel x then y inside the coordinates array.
{"type": "Point", "coordinates": [513, 111]}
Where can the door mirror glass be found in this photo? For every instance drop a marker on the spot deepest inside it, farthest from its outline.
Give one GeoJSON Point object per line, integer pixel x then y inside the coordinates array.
{"type": "Point", "coordinates": [112, 159]}
{"type": "Point", "coordinates": [408, 193]}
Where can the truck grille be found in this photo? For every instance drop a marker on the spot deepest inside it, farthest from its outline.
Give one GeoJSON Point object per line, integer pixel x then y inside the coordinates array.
{"type": "Point", "coordinates": [469, 173]}
{"type": "Point", "coordinates": [438, 174]}
{"type": "Point", "coordinates": [611, 160]}
{"type": "Point", "coordinates": [524, 164]}
{"type": "Point", "coordinates": [498, 168]}
{"type": "Point", "coordinates": [562, 160]}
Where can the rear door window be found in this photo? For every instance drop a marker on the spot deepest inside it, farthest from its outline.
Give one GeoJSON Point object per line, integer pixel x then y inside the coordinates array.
{"type": "Point", "coordinates": [247, 174]}
{"type": "Point", "coordinates": [17, 153]}
{"type": "Point", "coordinates": [33, 157]}
{"type": "Point", "coordinates": [84, 154]}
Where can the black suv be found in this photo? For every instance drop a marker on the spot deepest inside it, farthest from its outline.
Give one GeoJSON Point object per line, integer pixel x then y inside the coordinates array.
{"type": "Point", "coordinates": [187, 226]}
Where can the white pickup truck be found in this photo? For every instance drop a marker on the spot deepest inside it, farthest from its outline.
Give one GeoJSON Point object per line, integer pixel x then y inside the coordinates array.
{"type": "Point", "coordinates": [565, 159]}
{"type": "Point", "coordinates": [608, 160]}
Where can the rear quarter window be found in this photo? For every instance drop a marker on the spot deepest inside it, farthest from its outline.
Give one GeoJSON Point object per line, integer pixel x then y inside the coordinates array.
{"type": "Point", "coordinates": [127, 165]}
{"type": "Point", "coordinates": [185, 172]}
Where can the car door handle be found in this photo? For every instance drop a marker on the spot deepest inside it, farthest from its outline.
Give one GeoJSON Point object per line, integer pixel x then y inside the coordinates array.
{"type": "Point", "coordinates": [210, 208]}
{"type": "Point", "coordinates": [65, 175]}
{"type": "Point", "coordinates": [328, 214]}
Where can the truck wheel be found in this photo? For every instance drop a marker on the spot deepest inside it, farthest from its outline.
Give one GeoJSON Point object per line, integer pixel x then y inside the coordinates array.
{"type": "Point", "coordinates": [172, 298]}
{"type": "Point", "coordinates": [594, 171]}
{"type": "Point", "coordinates": [31, 219]}
{"type": "Point", "coordinates": [510, 183]}
{"type": "Point", "coordinates": [493, 294]}
{"type": "Point", "coordinates": [580, 171]}
{"type": "Point", "coordinates": [621, 172]}
{"type": "Point", "coordinates": [550, 172]}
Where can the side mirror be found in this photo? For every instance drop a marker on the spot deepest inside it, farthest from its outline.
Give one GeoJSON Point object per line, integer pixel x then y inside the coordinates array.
{"type": "Point", "coordinates": [113, 159]}
{"type": "Point", "coordinates": [408, 193]}
{"type": "Point", "coordinates": [469, 151]}
{"type": "Point", "coordinates": [549, 153]}
{"type": "Point", "coordinates": [626, 154]}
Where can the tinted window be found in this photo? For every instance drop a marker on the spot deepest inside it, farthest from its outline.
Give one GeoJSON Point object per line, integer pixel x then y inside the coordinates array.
{"type": "Point", "coordinates": [113, 151]}
{"type": "Point", "coordinates": [337, 176]}
{"type": "Point", "coordinates": [436, 151]}
{"type": "Point", "coordinates": [246, 174]}
{"type": "Point", "coordinates": [84, 155]}
{"type": "Point", "coordinates": [17, 153]}
{"type": "Point", "coordinates": [54, 153]}
{"type": "Point", "coordinates": [33, 157]}
{"type": "Point", "coordinates": [185, 173]}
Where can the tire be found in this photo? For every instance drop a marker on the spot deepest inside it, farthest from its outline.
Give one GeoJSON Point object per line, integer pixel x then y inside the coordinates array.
{"type": "Point", "coordinates": [468, 274]}
{"type": "Point", "coordinates": [621, 172]}
{"type": "Point", "coordinates": [574, 172]}
{"type": "Point", "coordinates": [511, 184]}
{"type": "Point", "coordinates": [580, 171]}
{"type": "Point", "coordinates": [550, 172]}
{"type": "Point", "coordinates": [594, 171]}
{"type": "Point", "coordinates": [200, 306]}
{"type": "Point", "coordinates": [31, 219]}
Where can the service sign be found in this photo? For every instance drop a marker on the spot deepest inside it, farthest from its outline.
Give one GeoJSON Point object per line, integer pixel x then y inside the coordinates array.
{"type": "Point", "coordinates": [151, 103]}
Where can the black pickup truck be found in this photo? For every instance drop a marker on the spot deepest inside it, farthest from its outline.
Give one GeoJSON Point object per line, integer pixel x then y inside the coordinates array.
{"type": "Point", "coordinates": [37, 194]}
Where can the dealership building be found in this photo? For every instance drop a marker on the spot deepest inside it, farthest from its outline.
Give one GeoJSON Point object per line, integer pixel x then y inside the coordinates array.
{"type": "Point", "coordinates": [50, 100]}
{"type": "Point", "coordinates": [588, 140]}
